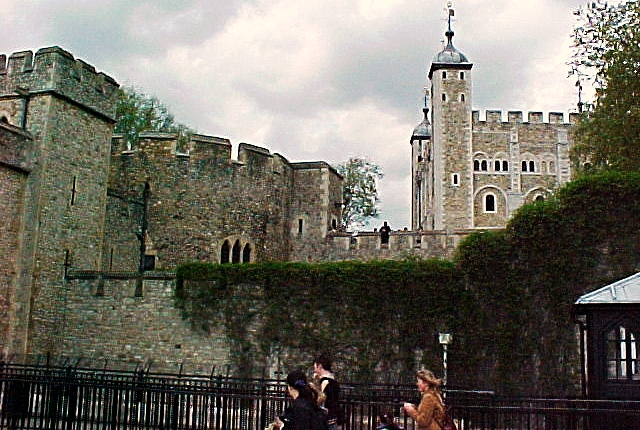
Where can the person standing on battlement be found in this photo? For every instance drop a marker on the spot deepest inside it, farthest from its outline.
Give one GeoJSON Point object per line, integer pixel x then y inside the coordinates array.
{"type": "Point", "coordinates": [384, 234]}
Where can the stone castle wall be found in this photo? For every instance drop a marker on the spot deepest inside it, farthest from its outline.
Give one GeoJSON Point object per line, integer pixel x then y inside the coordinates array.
{"type": "Point", "coordinates": [517, 161]}
{"type": "Point", "coordinates": [67, 109]}
{"type": "Point", "coordinates": [201, 199]}
{"type": "Point", "coordinates": [147, 329]}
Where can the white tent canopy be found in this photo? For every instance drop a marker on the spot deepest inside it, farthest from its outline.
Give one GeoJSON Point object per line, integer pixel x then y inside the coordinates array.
{"type": "Point", "coordinates": [626, 290]}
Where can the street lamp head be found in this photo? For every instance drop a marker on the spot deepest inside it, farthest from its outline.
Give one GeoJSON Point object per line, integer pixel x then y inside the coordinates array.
{"type": "Point", "coordinates": [445, 338]}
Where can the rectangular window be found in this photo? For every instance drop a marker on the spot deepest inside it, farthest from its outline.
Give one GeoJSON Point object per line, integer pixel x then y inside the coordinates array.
{"type": "Point", "coordinates": [622, 355]}
{"type": "Point", "coordinates": [300, 226]}
{"type": "Point", "coordinates": [455, 180]}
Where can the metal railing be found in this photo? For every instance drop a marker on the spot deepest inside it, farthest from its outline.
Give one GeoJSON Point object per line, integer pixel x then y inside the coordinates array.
{"type": "Point", "coordinates": [73, 398]}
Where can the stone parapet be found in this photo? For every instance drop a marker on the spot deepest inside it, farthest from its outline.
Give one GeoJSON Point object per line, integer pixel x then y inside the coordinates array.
{"type": "Point", "coordinates": [54, 70]}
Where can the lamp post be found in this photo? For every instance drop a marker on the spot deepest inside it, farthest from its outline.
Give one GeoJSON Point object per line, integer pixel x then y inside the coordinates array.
{"type": "Point", "coordinates": [445, 339]}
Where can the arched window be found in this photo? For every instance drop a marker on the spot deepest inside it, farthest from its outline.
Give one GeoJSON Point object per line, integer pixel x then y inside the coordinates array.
{"type": "Point", "coordinates": [246, 254]}
{"type": "Point", "coordinates": [476, 165]}
{"type": "Point", "coordinates": [489, 203]}
{"type": "Point", "coordinates": [455, 179]}
{"type": "Point", "coordinates": [483, 165]}
{"type": "Point", "coordinates": [235, 256]}
{"type": "Point", "coordinates": [505, 166]}
{"type": "Point", "coordinates": [462, 76]}
{"type": "Point", "coordinates": [444, 75]}
{"type": "Point", "coordinates": [543, 167]}
{"type": "Point", "coordinates": [524, 166]}
{"type": "Point", "coordinates": [532, 166]}
{"type": "Point", "coordinates": [552, 167]}
{"type": "Point", "coordinates": [622, 354]}
{"type": "Point", "coordinates": [539, 198]}
{"type": "Point", "coordinates": [496, 165]}
{"type": "Point", "coordinates": [224, 252]}
{"type": "Point", "coordinates": [462, 97]}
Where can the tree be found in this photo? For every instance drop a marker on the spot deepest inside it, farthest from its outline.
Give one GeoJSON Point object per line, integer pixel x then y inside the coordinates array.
{"type": "Point", "coordinates": [137, 113]}
{"type": "Point", "coordinates": [359, 191]}
{"type": "Point", "coordinates": [607, 55]}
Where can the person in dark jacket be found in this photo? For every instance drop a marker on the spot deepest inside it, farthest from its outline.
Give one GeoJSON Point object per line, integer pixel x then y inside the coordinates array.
{"type": "Point", "coordinates": [386, 422]}
{"type": "Point", "coordinates": [303, 413]}
{"type": "Point", "coordinates": [330, 389]}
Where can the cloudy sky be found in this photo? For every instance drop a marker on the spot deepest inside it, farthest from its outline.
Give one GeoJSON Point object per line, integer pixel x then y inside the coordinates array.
{"type": "Point", "coordinates": [311, 80]}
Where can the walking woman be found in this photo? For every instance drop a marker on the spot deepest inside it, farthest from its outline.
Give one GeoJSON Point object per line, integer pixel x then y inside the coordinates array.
{"type": "Point", "coordinates": [430, 412]}
{"type": "Point", "coordinates": [304, 412]}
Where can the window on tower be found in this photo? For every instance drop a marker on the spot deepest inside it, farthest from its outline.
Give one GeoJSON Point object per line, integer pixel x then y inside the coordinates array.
{"type": "Point", "coordinates": [489, 203]}
{"type": "Point", "coordinates": [444, 97]}
{"type": "Point", "coordinates": [455, 180]}
{"type": "Point", "coordinates": [462, 76]}
{"type": "Point", "coordinates": [462, 98]}
{"type": "Point", "coordinates": [444, 75]}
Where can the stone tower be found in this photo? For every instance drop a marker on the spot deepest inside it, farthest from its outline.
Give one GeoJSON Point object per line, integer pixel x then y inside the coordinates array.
{"type": "Point", "coordinates": [445, 173]}
{"type": "Point", "coordinates": [57, 116]}
{"type": "Point", "coordinates": [422, 174]}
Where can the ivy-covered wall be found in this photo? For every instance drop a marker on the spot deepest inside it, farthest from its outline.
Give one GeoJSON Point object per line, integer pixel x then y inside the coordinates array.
{"type": "Point", "coordinates": [507, 298]}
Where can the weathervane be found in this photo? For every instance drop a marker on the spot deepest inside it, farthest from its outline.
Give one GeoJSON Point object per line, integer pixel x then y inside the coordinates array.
{"type": "Point", "coordinates": [450, 16]}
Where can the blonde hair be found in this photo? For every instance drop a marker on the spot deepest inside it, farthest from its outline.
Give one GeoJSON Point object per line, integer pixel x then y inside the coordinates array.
{"type": "Point", "coordinates": [429, 378]}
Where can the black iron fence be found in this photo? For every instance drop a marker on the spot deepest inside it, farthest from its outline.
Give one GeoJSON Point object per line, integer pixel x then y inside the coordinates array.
{"type": "Point", "coordinates": [74, 398]}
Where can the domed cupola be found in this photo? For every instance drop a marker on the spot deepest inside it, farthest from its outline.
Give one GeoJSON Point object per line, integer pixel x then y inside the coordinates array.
{"type": "Point", "coordinates": [422, 130]}
{"type": "Point", "coordinates": [450, 54]}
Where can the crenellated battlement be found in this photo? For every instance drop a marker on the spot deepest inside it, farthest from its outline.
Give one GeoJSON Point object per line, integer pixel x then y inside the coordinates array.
{"type": "Point", "coordinates": [517, 117]}
{"type": "Point", "coordinates": [199, 147]}
{"type": "Point", "coordinates": [54, 70]}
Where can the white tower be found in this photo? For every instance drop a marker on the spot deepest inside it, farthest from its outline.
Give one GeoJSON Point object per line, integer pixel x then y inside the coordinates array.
{"type": "Point", "coordinates": [452, 192]}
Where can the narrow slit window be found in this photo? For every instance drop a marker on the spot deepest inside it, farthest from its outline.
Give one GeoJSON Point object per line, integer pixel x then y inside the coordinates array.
{"type": "Point", "coordinates": [300, 225]}
{"type": "Point", "coordinates": [73, 191]}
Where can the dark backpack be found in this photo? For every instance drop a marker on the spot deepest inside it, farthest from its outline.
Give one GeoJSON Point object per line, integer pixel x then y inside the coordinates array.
{"type": "Point", "coordinates": [320, 420]}
{"type": "Point", "coordinates": [447, 420]}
